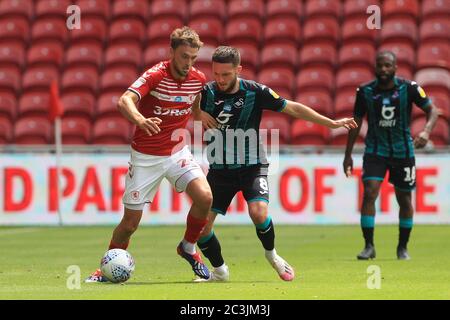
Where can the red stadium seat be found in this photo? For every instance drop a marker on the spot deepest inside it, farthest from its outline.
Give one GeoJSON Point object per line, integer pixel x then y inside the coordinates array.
{"type": "Point", "coordinates": [84, 54]}
{"type": "Point", "coordinates": [130, 9]}
{"type": "Point", "coordinates": [80, 104]}
{"type": "Point", "coordinates": [276, 121]}
{"type": "Point", "coordinates": [46, 53]}
{"type": "Point", "coordinates": [205, 55]}
{"type": "Point", "coordinates": [357, 54]}
{"type": "Point", "coordinates": [246, 9]}
{"type": "Point", "coordinates": [92, 30]}
{"type": "Point", "coordinates": [338, 137]}
{"type": "Point", "coordinates": [75, 130]}
{"type": "Point", "coordinates": [210, 30]}
{"type": "Point", "coordinates": [441, 100]}
{"type": "Point", "coordinates": [199, 9]}
{"type": "Point", "coordinates": [39, 77]}
{"type": "Point", "coordinates": [284, 8]}
{"type": "Point", "coordinates": [282, 30]}
{"type": "Point", "coordinates": [319, 100]}
{"type": "Point", "coordinates": [318, 54]}
{"type": "Point", "coordinates": [321, 28]}
{"type": "Point", "coordinates": [8, 105]}
{"type": "Point", "coordinates": [355, 29]}
{"type": "Point", "coordinates": [154, 54]}
{"type": "Point", "coordinates": [313, 78]}
{"type": "Point", "coordinates": [95, 8]}
{"type": "Point", "coordinates": [32, 130]}
{"type": "Point", "coordinates": [12, 54]}
{"type": "Point", "coordinates": [435, 9]}
{"type": "Point", "coordinates": [440, 134]}
{"type": "Point", "coordinates": [435, 29]}
{"type": "Point", "coordinates": [6, 129]}
{"type": "Point", "coordinates": [49, 29]}
{"type": "Point", "coordinates": [308, 133]}
{"type": "Point", "coordinates": [111, 130]}
{"type": "Point", "coordinates": [249, 55]}
{"type": "Point", "coordinates": [323, 8]}
{"type": "Point", "coordinates": [159, 29]}
{"type": "Point", "coordinates": [16, 29]}
{"type": "Point", "coordinates": [246, 30]}
{"type": "Point", "coordinates": [399, 8]}
{"type": "Point", "coordinates": [352, 77]}
{"type": "Point", "coordinates": [354, 8]}
{"type": "Point", "coordinates": [344, 103]}
{"type": "Point", "coordinates": [120, 55]}
{"type": "Point", "coordinates": [405, 52]}
{"type": "Point", "coordinates": [80, 78]}
{"type": "Point", "coordinates": [118, 78]}
{"type": "Point", "coordinates": [404, 72]}
{"type": "Point", "coordinates": [9, 80]}
{"type": "Point", "coordinates": [107, 104]}
{"type": "Point", "coordinates": [399, 29]}
{"type": "Point", "coordinates": [277, 78]}
{"type": "Point", "coordinates": [434, 55]}
{"type": "Point", "coordinates": [279, 55]}
{"type": "Point", "coordinates": [434, 78]}
{"type": "Point", "coordinates": [126, 30]}
{"type": "Point", "coordinates": [34, 103]}
{"type": "Point", "coordinates": [11, 8]}
{"type": "Point", "coordinates": [52, 8]}
{"type": "Point", "coordinates": [169, 8]}
{"type": "Point", "coordinates": [248, 74]}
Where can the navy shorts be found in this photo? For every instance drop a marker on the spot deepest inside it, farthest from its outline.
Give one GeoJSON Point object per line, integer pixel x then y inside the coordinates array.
{"type": "Point", "coordinates": [402, 172]}
{"type": "Point", "coordinates": [225, 183]}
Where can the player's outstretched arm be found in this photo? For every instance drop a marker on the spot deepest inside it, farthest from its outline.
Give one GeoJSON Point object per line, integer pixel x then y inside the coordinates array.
{"type": "Point", "coordinates": [300, 111]}
{"type": "Point", "coordinates": [127, 107]}
{"type": "Point", "coordinates": [351, 139]}
{"type": "Point", "coordinates": [432, 116]}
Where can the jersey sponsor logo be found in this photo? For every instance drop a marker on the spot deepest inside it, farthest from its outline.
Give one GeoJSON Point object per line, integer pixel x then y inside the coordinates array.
{"type": "Point", "coordinates": [223, 117]}
{"type": "Point", "coordinates": [179, 99]}
{"type": "Point", "coordinates": [388, 114]}
{"type": "Point", "coordinates": [171, 112]}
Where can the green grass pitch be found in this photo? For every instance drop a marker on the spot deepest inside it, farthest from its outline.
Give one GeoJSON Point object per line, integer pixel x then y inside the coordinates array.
{"type": "Point", "coordinates": [34, 262]}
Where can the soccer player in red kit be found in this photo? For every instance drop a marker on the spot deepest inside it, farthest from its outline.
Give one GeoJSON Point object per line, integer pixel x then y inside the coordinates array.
{"type": "Point", "coordinates": [158, 103]}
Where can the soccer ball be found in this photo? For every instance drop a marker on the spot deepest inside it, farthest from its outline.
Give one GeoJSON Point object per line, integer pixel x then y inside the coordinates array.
{"type": "Point", "coordinates": [117, 265]}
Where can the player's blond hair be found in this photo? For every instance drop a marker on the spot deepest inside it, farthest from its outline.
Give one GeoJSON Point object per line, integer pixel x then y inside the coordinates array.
{"type": "Point", "coordinates": [185, 36]}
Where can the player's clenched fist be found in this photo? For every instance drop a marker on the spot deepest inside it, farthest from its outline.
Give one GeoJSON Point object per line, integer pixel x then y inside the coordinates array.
{"type": "Point", "coordinates": [150, 125]}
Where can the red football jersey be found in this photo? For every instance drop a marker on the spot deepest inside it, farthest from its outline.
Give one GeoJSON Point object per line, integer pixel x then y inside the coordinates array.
{"type": "Point", "coordinates": [160, 95]}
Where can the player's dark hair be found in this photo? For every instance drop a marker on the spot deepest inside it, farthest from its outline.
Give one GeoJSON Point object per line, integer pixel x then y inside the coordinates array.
{"type": "Point", "coordinates": [225, 54]}
{"type": "Point", "coordinates": [185, 36]}
{"type": "Point", "coordinates": [387, 52]}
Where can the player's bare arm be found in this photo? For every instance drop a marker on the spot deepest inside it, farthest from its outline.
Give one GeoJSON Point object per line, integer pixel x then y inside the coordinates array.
{"type": "Point", "coordinates": [352, 136]}
{"type": "Point", "coordinates": [300, 111]}
{"type": "Point", "coordinates": [127, 107]}
{"type": "Point", "coordinates": [207, 120]}
{"type": "Point", "coordinates": [432, 116]}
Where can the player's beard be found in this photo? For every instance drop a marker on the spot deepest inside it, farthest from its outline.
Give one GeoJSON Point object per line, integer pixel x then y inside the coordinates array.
{"type": "Point", "coordinates": [385, 80]}
{"type": "Point", "coordinates": [181, 72]}
{"type": "Point", "coordinates": [230, 87]}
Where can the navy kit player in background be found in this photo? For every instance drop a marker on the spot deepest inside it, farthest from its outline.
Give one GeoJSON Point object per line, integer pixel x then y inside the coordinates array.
{"type": "Point", "coordinates": [387, 101]}
{"type": "Point", "coordinates": [229, 105]}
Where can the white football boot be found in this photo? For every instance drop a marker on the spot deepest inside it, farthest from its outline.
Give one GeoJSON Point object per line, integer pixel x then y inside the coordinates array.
{"type": "Point", "coordinates": [219, 274]}
{"type": "Point", "coordinates": [284, 270]}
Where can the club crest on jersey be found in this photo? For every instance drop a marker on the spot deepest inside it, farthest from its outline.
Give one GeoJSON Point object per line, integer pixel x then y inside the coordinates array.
{"type": "Point", "coordinates": [135, 195]}
{"type": "Point", "coordinates": [238, 104]}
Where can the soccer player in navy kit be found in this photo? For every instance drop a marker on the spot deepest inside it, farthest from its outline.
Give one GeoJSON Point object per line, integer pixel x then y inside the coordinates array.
{"type": "Point", "coordinates": [232, 104]}
{"type": "Point", "coordinates": [387, 101]}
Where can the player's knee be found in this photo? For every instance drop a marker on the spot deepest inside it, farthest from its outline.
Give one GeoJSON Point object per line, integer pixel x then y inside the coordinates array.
{"type": "Point", "coordinates": [370, 195]}
{"type": "Point", "coordinates": [204, 200]}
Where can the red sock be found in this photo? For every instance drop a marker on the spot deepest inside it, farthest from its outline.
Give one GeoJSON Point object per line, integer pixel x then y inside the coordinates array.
{"type": "Point", "coordinates": [123, 246]}
{"type": "Point", "coordinates": [194, 227]}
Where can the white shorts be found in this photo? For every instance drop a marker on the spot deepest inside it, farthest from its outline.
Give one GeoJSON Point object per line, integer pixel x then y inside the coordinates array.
{"type": "Point", "coordinates": [146, 172]}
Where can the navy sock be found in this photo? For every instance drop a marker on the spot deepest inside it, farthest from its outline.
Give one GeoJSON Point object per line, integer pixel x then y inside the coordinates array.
{"type": "Point", "coordinates": [266, 234]}
{"type": "Point", "coordinates": [210, 247]}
